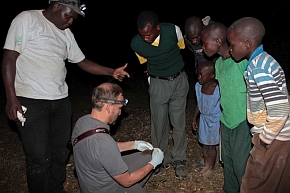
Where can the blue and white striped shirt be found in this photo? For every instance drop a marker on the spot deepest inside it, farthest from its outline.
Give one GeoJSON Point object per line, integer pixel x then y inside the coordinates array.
{"type": "Point", "coordinates": [267, 98]}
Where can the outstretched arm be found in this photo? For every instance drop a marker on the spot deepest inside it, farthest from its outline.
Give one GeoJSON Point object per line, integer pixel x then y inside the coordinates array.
{"type": "Point", "coordinates": [97, 69]}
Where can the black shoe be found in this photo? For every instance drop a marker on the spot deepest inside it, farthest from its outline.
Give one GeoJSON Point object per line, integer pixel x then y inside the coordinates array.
{"type": "Point", "coordinates": [159, 169]}
{"type": "Point", "coordinates": [180, 169]}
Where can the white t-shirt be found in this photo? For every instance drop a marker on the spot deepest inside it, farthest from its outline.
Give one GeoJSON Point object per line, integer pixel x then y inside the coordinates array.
{"type": "Point", "coordinates": [43, 49]}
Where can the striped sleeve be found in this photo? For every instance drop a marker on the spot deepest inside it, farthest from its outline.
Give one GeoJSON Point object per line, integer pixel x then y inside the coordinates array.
{"type": "Point", "coordinates": [268, 106]}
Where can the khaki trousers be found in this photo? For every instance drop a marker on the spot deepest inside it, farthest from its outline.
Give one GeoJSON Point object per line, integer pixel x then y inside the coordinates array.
{"type": "Point", "coordinates": [268, 169]}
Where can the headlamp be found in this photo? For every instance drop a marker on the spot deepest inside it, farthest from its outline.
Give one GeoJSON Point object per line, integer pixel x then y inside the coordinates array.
{"type": "Point", "coordinates": [83, 7]}
{"type": "Point", "coordinates": [74, 4]}
{"type": "Point", "coordinates": [122, 102]}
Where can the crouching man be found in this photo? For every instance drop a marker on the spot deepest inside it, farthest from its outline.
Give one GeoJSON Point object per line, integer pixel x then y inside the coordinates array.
{"type": "Point", "coordinates": [99, 164]}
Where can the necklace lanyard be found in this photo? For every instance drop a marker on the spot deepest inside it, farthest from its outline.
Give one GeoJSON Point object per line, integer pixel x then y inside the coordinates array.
{"type": "Point", "coordinates": [89, 133]}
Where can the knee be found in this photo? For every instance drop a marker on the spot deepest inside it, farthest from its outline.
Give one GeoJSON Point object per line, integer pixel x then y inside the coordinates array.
{"type": "Point", "coordinates": [37, 160]}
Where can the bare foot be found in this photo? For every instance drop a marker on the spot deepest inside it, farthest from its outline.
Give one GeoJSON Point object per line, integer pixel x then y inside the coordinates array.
{"type": "Point", "coordinates": [208, 173]}
{"type": "Point", "coordinates": [204, 169]}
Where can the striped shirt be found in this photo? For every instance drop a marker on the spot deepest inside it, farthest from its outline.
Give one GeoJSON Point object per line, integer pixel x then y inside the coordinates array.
{"type": "Point", "coordinates": [267, 98]}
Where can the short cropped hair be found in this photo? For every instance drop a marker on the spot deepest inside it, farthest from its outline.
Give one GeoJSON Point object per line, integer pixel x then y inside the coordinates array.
{"type": "Point", "coordinates": [249, 28]}
{"type": "Point", "coordinates": [105, 91]}
{"type": "Point", "coordinates": [216, 30]}
{"type": "Point", "coordinates": [147, 17]}
{"type": "Point", "coordinates": [208, 64]}
{"type": "Point", "coordinates": [193, 24]}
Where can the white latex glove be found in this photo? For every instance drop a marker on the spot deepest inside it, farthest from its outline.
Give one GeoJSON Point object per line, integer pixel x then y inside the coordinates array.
{"type": "Point", "coordinates": [142, 145]}
{"type": "Point", "coordinates": [20, 116]}
{"type": "Point", "coordinates": [157, 157]}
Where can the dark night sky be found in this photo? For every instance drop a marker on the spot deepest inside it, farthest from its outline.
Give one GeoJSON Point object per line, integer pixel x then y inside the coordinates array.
{"type": "Point", "coordinates": [108, 27]}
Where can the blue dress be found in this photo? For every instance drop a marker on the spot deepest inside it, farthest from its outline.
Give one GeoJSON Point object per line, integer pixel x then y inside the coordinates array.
{"type": "Point", "coordinates": [210, 112]}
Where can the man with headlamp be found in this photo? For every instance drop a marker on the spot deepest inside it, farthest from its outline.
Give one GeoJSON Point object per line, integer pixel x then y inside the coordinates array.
{"type": "Point", "coordinates": [33, 70]}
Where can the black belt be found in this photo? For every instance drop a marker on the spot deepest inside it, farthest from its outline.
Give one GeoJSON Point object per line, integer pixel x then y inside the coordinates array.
{"type": "Point", "coordinates": [169, 78]}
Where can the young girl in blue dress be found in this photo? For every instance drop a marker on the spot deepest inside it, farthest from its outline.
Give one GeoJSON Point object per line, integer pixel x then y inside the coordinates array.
{"type": "Point", "coordinates": [209, 111]}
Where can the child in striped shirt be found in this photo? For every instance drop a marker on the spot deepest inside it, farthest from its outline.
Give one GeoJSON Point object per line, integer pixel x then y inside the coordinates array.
{"type": "Point", "coordinates": [267, 109]}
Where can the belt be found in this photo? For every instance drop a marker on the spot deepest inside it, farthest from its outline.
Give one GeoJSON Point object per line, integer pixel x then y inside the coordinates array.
{"type": "Point", "coordinates": [169, 78]}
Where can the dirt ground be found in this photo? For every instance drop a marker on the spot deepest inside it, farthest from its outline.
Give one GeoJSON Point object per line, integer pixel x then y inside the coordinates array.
{"type": "Point", "coordinates": [134, 123]}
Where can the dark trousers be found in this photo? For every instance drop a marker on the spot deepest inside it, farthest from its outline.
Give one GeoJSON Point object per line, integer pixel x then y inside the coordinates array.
{"type": "Point", "coordinates": [135, 161]}
{"type": "Point", "coordinates": [268, 170]}
{"type": "Point", "coordinates": [236, 146]}
{"type": "Point", "coordinates": [168, 108]}
{"type": "Point", "coordinates": [44, 137]}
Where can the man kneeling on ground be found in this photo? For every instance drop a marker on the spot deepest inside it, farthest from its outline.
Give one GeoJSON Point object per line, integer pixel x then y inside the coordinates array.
{"type": "Point", "coordinates": [99, 164]}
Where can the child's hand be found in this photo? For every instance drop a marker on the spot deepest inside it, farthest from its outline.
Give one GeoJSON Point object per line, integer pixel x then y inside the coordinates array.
{"type": "Point", "coordinates": [194, 125]}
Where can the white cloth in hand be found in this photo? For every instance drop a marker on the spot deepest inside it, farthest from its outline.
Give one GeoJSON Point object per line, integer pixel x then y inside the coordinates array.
{"type": "Point", "coordinates": [20, 116]}
{"type": "Point", "coordinates": [142, 145]}
{"type": "Point", "coordinates": [157, 157]}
